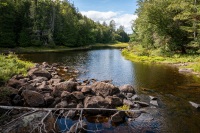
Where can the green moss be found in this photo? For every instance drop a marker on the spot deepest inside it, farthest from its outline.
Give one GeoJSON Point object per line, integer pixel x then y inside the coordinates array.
{"type": "Point", "coordinates": [124, 107]}
{"type": "Point", "coordinates": [11, 65]}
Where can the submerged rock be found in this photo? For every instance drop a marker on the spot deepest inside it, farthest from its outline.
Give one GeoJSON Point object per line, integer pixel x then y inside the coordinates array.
{"type": "Point", "coordinates": [79, 127]}
{"type": "Point", "coordinates": [118, 117]}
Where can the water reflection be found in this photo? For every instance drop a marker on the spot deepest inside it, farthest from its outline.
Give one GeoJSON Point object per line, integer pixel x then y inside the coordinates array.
{"type": "Point", "coordinates": [173, 89]}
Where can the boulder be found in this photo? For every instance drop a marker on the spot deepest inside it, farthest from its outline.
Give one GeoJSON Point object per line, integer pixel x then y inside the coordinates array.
{"type": "Point", "coordinates": [104, 89]}
{"type": "Point", "coordinates": [114, 101]}
{"type": "Point", "coordinates": [79, 127]}
{"type": "Point", "coordinates": [33, 99]}
{"type": "Point", "coordinates": [15, 83]}
{"type": "Point", "coordinates": [118, 117]}
{"type": "Point", "coordinates": [95, 102]}
{"type": "Point", "coordinates": [135, 98]}
{"type": "Point", "coordinates": [40, 73]}
{"type": "Point", "coordinates": [197, 106]}
{"type": "Point", "coordinates": [69, 114]}
{"type": "Point", "coordinates": [154, 102]}
{"type": "Point", "coordinates": [67, 86]}
{"type": "Point", "coordinates": [64, 86]}
{"type": "Point", "coordinates": [78, 95]}
{"type": "Point", "coordinates": [27, 87]}
{"type": "Point", "coordinates": [128, 103]}
{"type": "Point", "coordinates": [49, 100]}
{"type": "Point", "coordinates": [17, 100]}
{"type": "Point", "coordinates": [54, 81]}
{"type": "Point", "coordinates": [39, 79]}
{"type": "Point", "coordinates": [66, 95]}
{"type": "Point", "coordinates": [129, 95]}
{"type": "Point", "coordinates": [153, 98]}
{"type": "Point", "coordinates": [142, 104]}
{"type": "Point", "coordinates": [127, 89]}
{"type": "Point", "coordinates": [86, 90]}
{"type": "Point", "coordinates": [80, 105]}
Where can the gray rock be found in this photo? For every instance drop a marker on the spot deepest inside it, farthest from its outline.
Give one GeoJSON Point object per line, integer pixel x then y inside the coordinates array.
{"type": "Point", "coordinates": [114, 101]}
{"type": "Point", "coordinates": [95, 102]}
{"type": "Point", "coordinates": [185, 70]}
{"type": "Point", "coordinates": [129, 95]}
{"type": "Point", "coordinates": [78, 95]}
{"type": "Point", "coordinates": [135, 98]}
{"type": "Point", "coordinates": [86, 90]}
{"type": "Point", "coordinates": [80, 105]}
{"type": "Point", "coordinates": [154, 102]}
{"type": "Point", "coordinates": [66, 95]}
{"type": "Point", "coordinates": [128, 103]}
{"type": "Point", "coordinates": [118, 117]}
{"type": "Point", "coordinates": [104, 89]}
{"type": "Point", "coordinates": [70, 114]}
{"type": "Point", "coordinates": [153, 98]}
{"type": "Point", "coordinates": [79, 127]}
{"type": "Point", "coordinates": [67, 86]}
{"type": "Point", "coordinates": [197, 106]}
{"type": "Point", "coordinates": [49, 100]}
{"type": "Point", "coordinates": [127, 89]}
{"type": "Point", "coordinates": [132, 114]}
{"type": "Point", "coordinates": [15, 83]}
{"type": "Point", "coordinates": [33, 99]}
{"type": "Point", "coordinates": [39, 79]}
{"type": "Point", "coordinates": [54, 81]}
{"type": "Point", "coordinates": [142, 104]}
{"type": "Point", "coordinates": [40, 73]}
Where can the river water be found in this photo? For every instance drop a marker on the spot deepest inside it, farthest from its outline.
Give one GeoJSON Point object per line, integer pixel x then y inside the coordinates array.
{"type": "Point", "coordinates": [173, 89]}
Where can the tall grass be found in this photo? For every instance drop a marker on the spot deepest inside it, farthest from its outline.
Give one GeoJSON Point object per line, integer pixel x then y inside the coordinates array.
{"type": "Point", "coordinates": [139, 54]}
{"type": "Point", "coordinates": [11, 65]}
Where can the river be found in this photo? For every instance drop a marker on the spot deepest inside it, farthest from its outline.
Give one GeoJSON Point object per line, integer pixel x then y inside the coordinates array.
{"type": "Point", "coordinates": [173, 89]}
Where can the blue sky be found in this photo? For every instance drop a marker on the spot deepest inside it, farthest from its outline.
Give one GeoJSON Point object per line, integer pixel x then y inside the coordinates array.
{"type": "Point", "coordinates": [122, 11]}
{"type": "Point", "coordinates": [127, 6]}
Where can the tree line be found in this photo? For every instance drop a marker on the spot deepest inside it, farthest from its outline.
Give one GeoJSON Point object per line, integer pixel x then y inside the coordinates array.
{"type": "Point", "coordinates": [168, 25]}
{"type": "Point", "coordinates": [25, 23]}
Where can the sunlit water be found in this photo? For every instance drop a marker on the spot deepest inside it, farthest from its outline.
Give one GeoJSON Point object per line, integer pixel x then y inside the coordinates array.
{"type": "Point", "coordinates": [173, 89]}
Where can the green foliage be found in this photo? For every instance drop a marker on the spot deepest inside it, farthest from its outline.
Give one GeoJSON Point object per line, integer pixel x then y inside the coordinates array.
{"type": "Point", "coordinates": [124, 107]}
{"type": "Point", "coordinates": [169, 25]}
{"type": "Point", "coordinates": [50, 23]}
{"type": "Point", "coordinates": [11, 65]}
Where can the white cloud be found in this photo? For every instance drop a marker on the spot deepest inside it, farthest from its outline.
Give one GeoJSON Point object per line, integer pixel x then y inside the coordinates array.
{"type": "Point", "coordinates": [119, 18]}
{"type": "Point", "coordinates": [99, 16]}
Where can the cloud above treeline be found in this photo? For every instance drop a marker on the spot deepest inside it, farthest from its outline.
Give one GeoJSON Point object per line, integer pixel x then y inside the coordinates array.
{"type": "Point", "coordinates": [119, 17]}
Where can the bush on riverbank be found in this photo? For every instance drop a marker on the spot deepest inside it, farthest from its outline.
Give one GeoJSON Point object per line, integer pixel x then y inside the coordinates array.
{"type": "Point", "coordinates": [10, 65]}
{"type": "Point", "coordinates": [139, 54]}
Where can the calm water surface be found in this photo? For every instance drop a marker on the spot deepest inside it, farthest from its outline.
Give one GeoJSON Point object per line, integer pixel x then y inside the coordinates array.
{"type": "Point", "coordinates": [173, 89]}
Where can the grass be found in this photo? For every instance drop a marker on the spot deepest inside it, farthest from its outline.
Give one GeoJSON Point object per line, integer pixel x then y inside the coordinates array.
{"type": "Point", "coordinates": [11, 65]}
{"type": "Point", "coordinates": [61, 48]}
{"type": "Point", "coordinates": [111, 45]}
{"type": "Point", "coordinates": [139, 54]}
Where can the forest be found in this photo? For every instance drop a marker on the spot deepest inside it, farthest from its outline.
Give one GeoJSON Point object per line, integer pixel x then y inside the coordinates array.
{"type": "Point", "coordinates": [25, 23]}
{"type": "Point", "coordinates": [168, 26]}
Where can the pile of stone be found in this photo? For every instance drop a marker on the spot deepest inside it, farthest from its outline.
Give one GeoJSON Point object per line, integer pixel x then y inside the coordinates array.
{"type": "Point", "coordinates": [44, 87]}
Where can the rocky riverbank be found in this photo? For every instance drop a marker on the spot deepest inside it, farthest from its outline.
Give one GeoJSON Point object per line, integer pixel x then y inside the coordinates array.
{"type": "Point", "coordinates": [44, 87]}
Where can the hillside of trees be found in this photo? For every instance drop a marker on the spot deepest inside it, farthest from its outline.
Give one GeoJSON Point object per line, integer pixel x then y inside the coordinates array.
{"type": "Point", "coordinates": [25, 23]}
{"type": "Point", "coordinates": [168, 25]}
